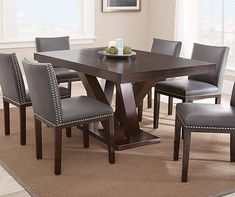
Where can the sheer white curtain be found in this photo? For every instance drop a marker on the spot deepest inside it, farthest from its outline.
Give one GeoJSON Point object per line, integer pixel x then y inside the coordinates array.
{"type": "Point", "coordinates": [186, 24]}
{"type": "Point", "coordinates": [208, 22]}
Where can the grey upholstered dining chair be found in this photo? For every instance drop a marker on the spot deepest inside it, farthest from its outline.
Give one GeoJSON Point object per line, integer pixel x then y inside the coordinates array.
{"type": "Point", "coordinates": [63, 75]}
{"type": "Point", "coordinates": [163, 47]}
{"type": "Point", "coordinates": [15, 93]}
{"type": "Point", "coordinates": [204, 118]}
{"type": "Point", "coordinates": [59, 114]}
{"type": "Point", "coordinates": [197, 86]}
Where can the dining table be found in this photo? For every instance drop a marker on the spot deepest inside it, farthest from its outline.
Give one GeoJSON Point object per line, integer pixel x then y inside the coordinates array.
{"type": "Point", "coordinates": [129, 79]}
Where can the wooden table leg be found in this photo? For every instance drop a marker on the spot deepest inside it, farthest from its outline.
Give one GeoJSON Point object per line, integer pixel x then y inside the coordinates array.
{"type": "Point", "coordinates": [127, 109]}
{"type": "Point", "coordinates": [127, 130]}
{"type": "Point", "coordinates": [94, 90]}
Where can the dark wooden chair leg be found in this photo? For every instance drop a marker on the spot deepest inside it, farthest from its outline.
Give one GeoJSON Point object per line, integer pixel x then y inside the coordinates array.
{"type": "Point", "coordinates": [22, 125]}
{"type": "Point", "coordinates": [156, 110]}
{"type": "Point", "coordinates": [110, 140]}
{"type": "Point", "coordinates": [58, 150]}
{"type": "Point", "coordinates": [140, 111]}
{"type": "Point", "coordinates": [182, 133]}
{"type": "Point", "coordinates": [68, 132]}
{"type": "Point", "coordinates": [86, 136]}
{"type": "Point", "coordinates": [218, 99]}
{"type": "Point", "coordinates": [186, 149]}
{"type": "Point", "coordinates": [170, 105]}
{"type": "Point", "coordinates": [185, 100]}
{"type": "Point", "coordinates": [38, 138]}
{"type": "Point", "coordinates": [177, 138]}
{"type": "Point", "coordinates": [232, 147]}
{"type": "Point", "coordinates": [6, 117]}
{"type": "Point", "coordinates": [70, 86]}
{"type": "Point", "coordinates": [149, 104]}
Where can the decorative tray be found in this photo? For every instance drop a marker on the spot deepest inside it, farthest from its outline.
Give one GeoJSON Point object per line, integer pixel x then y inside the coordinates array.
{"type": "Point", "coordinates": [103, 52]}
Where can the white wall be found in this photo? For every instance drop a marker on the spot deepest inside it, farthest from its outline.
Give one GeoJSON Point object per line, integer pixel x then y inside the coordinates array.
{"type": "Point", "coordinates": [162, 18]}
{"type": "Point", "coordinates": [133, 27]}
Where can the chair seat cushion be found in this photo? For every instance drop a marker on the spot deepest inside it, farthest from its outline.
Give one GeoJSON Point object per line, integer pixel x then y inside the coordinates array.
{"type": "Point", "coordinates": [64, 93]}
{"type": "Point", "coordinates": [210, 116]}
{"type": "Point", "coordinates": [64, 73]}
{"type": "Point", "coordinates": [186, 87]}
{"type": "Point", "coordinates": [81, 108]}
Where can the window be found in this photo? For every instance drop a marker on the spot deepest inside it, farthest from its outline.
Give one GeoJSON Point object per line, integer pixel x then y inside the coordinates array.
{"type": "Point", "coordinates": [209, 22]}
{"type": "Point", "coordinates": [23, 20]}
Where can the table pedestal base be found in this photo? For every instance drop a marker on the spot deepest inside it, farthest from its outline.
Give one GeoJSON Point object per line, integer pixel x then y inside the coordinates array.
{"type": "Point", "coordinates": [140, 139]}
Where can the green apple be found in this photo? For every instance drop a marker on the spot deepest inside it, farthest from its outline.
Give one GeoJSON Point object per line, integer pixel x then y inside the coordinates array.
{"type": "Point", "coordinates": [127, 50]}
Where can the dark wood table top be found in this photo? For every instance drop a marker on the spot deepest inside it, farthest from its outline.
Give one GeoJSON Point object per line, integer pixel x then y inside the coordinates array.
{"type": "Point", "coordinates": [142, 67]}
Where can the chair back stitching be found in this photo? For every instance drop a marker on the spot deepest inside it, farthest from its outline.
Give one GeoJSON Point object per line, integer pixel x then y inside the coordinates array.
{"type": "Point", "coordinates": [19, 79]}
{"type": "Point", "coordinates": [55, 94]}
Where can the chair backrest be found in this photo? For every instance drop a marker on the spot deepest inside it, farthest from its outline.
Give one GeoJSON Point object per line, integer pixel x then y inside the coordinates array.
{"type": "Point", "coordinates": [52, 44]}
{"type": "Point", "coordinates": [43, 90]}
{"type": "Point", "coordinates": [213, 54]}
{"type": "Point", "coordinates": [11, 79]}
{"type": "Point", "coordinates": [166, 47]}
{"type": "Point", "coordinates": [232, 100]}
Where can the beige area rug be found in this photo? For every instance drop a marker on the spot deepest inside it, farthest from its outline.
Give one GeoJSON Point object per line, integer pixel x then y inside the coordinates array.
{"type": "Point", "coordinates": [144, 171]}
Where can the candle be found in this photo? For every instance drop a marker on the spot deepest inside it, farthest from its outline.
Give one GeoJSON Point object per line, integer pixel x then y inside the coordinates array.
{"type": "Point", "coordinates": [119, 45]}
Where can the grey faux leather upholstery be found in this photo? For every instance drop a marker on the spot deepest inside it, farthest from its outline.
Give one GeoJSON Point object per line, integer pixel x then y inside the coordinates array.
{"type": "Point", "coordinates": [187, 87]}
{"type": "Point", "coordinates": [206, 118]}
{"type": "Point", "coordinates": [232, 100]}
{"type": "Point", "coordinates": [166, 47]}
{"type": "Point", "coordinates": [12, 83]}
{"type": "Point", "coordinates": [11, 80]}
{"type": "Point", "coordinates": [44, 91]}
{"type": "Point", "coordinates": [83, 107]}
{"type": "Point", "coordinates": [64, 92]}
{"type": "Point", "coordinates": [214, 54]}
{"type": "Point", "coordinates": [46, 101]}
{"type": "Point", "coordinates": [206, 115]}
{"type": "Point", "coordinates": [56, 44]}
{"type": "Point", "coordinates": [64, 73]}
{"type": "Point", "coordinates": [217, 55]}
{"type": "Point", "coordinates": [52, 44]}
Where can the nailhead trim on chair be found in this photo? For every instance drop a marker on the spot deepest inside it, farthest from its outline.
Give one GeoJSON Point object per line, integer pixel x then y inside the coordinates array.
{"type": "Point", "coordinates": [55, 94]}
{"type": "Point", "coordinates": [210, 128]}
{"type": "Point", "coordinates": [57, 103]}
{"type": "Point", "coordinates": [75, 121]}
{"type": "Point", "coordinates": [178, 95]}
{"type": "Point", "coordinates": [28, 102]}
{"type": "Point", "coordinates": [85, 119]}
{"type": "Point", "coordinates": [205, 127]}
{"type": "Point", "coordinates": [19, 79]}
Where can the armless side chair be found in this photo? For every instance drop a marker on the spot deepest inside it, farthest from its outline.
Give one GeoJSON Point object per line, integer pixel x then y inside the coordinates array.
{"type": "Point", "coordinates": [196, 87]}
{"type": "Point", "coordinates": [58, 114]}
{"type": "Point", "coordinates": [63, 75]}
{"type": "Point", "coordinates": [15, 93]}
{"type": "Point", "coordinates": [204, 118]}
{"type": "Point", "coordinates": [163, 47]}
